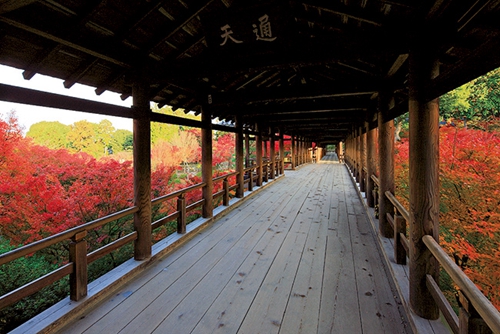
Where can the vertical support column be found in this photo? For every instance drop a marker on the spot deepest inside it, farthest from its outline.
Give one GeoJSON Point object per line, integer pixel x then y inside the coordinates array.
{"type": "Point", "coordinates": [258, 153]}
{"type": "Point", "coordinates": [240, 190]}
{"type": "Point", "coordinates": [293, 153]}
{"type": "Point", "coordinates": [206, 162]}
{"type": "Point", "coordinates": [340, 153]}
{"type": "Point", "coordinates": [266, 168]}
{"type": "Point", "coordinates": [386, 161]}
{"type": "Point", "coordinates": [247, 150]}
{"type": "Point", "coordinates": [358, 155]}
{"type": "Point", "coordinates": [142, 170]}
{"type": "Point", "coordinates": [273, 155]}
{"type": "Point", "coordinates": [424, 177]}
{"type": "Point", "coordinates": [282, 152]}
{"type": "Point", "coordinates": [371, 164]}
{"type": "Point", "coordinates": [362, 160]}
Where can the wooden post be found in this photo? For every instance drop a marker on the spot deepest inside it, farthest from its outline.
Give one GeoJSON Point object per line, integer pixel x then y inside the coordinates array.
{"type": "Point", "coordinates": [282, 152]}
{"type": "Point", "coordinates": [181, 219]}
{"type": "Point", "coordinates": [258, 152]}
{"type": "Point", "coordinates": [240, 190]}
{"type": "Point", "coordinates": [371, 165]}
{"type": "Point", "coordinates": [424, 178]}
{"type": "Point", "coordinates": [362, 160]}
{"type": "Point", "coordinates": [273, 155]}
{"type": "Point", "coordinates": [293, 153]}
{"type": "Point", "coordinates": [247, 150]}
{"type": "Point", "coordinates": [142, 170]}
{"type": "Point", "coordinates": [358, 155]}
{"type": "Point", "coordinates": [206, 162]}
{"type": "Point", "coordinates": [386, 161]}
{"type": "Point", "coordinates": [399, 250]}
{"type": "Point", "coordinates": [225, 184]}
{"type": "Point", "coordinates": [78, 255]}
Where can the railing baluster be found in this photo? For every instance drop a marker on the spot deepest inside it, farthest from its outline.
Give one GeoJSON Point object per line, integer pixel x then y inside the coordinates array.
{"type": "Point", "coordinates": [79, 277]}
{"type": "Point", "coordinates": [225, 200]}
{"type": "Point", "coordinates": [181, 219]}
{"type": "Point", "coordinates": [399, 228]}
{"type": "Point", "coordinates": [250, 179]}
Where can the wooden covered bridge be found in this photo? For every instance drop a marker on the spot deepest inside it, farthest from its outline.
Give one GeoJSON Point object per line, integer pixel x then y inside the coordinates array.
{"type": "Point", "coordinates": [288, 254]}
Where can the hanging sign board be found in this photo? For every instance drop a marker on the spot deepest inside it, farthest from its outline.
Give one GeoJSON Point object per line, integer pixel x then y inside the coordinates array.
{"type": "Point", "coordinates": [257, 29]}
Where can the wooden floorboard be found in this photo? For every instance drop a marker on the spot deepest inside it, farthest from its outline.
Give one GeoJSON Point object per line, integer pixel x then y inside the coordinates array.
{"type": "Point", "coordinates": [299, 257]}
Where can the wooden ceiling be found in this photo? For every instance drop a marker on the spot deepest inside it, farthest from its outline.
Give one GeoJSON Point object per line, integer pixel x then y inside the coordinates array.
{"type": "Point", "coordinates": [312, 67]}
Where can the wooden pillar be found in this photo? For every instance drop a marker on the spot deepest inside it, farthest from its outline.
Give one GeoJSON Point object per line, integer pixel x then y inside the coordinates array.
{"type": "Point", "coordinates": [371, 164]}
{"type": "Point", "coordinates": [273, 155]}
{"type": "Point", "coordinates": [340, 150]}
{"type": "Point", "coordinates": [142, 170]}
{"type": "Point", "coordinates": [386, 161]}
{"type": "Point", "coordinates": [293, 153]}
{"type": "Point", "coordinates": [282, 152]}
{"type": "Point", "coordinates": [358, 156]}
{"type": "Point", "coordinates": [206, 162]}
{"type": "Point", "coordinates": [362, 160]}
{"type": "Point", "coordinates": [258, 153]}
{"type": "Point", "coordinates": [240, 190]}
{"type": "Point", "coordinates": [247, 150]}
{"type": "Point", "coordinates": [424, 178]}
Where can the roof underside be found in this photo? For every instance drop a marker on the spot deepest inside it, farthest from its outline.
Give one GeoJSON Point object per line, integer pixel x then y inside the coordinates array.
{"type": "Point", "coordinates": [312, 67]}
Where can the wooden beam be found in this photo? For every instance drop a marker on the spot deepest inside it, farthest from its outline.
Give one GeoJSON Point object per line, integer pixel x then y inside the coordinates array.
{"type": "Point", "coordinates": [50, 100]}
{"type": "Point", "coordinates": [10, 5]}
{"type": "Point", "coordinates": [310, 92]}
{"type": "Point", "coordinates": [93, 50]}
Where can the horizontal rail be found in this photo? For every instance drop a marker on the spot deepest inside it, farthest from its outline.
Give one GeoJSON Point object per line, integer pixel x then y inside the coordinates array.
{"type": "Point", "coordinates": [445, 307]}
{"type": "Point", "coordinates": [177, 193]}
{"type": "Point", "coordinates": [222, 177]}
{"type": "Point", "coordinates": [112, 246]}
{"type": "Point", "coordinates": [49, 241]}
{"type": "Point", "coordinates": [401, 209]}
{"type": "Point", "coordinates": [375, 179]}
{"type": "Point", "coordinates": [34, 286]}
{"type": "Point", "coordinates": [164, 220]}
{"type": "Point", "coordinates": [193, 206]}
{"type": "Point", "coordinates": [483, 306]}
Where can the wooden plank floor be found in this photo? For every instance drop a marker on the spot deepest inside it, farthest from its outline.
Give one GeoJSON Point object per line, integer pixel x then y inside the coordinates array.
{"type": "Point", "coordinates": [299, 257]}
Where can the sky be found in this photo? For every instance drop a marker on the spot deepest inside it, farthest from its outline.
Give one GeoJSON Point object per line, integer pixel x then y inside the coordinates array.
{"type": "Point", "coordinates": [29, 114]}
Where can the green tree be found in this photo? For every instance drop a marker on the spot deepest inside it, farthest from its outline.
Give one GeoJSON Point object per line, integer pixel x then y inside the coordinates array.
{"type": "Point", "coordinates": [122, 140]}
{"type": "Point", "coordinates": [476, 100]}
{"type": "Point", "coordinates": [82, 138]}
{"type": "Point", "coordinates": [49, 134]}
{"type": "Point", "coordinates": [166, 132]}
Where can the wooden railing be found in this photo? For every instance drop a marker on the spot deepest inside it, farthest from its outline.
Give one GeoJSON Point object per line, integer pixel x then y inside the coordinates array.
{"type": "Point", "coordinates": [78, 260]}
{"type": "Point", "coordinates": [477, 314]}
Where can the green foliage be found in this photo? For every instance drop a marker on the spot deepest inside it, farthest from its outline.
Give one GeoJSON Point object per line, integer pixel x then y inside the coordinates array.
{"type": "Point", "coordinates": [122, 140]}
{"type": "Point", "coordinates": [476, 100]}
{"type": "Point", "coordinates": [20, 272]}
{"type": "Point", "coordinates": [49, 134]}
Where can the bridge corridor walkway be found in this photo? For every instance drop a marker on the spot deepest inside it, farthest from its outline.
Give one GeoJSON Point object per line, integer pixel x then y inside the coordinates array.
{"type": "Point", "coordinates": [298, 257]}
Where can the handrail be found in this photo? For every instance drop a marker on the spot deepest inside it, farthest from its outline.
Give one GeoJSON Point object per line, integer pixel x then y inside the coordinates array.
{"type": "Point", "coordinates": [177, 193]}
{"type": "Point", "coordinates": [376, 180]}
{"type": "Point", "coordinates": [401, 209]}
{"type": "Point", "coordinates": [49, 241]}
{"type": "Point", "coordinates": [81, 230]}
{"type": "Point", "coordinates": [222, 177]}
{"type": "Point", "coordinates": [483, 306]}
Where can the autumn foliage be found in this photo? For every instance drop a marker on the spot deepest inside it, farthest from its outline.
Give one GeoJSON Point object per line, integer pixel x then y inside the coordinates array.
{"type": "Point", "coordinates": [469, 199]}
